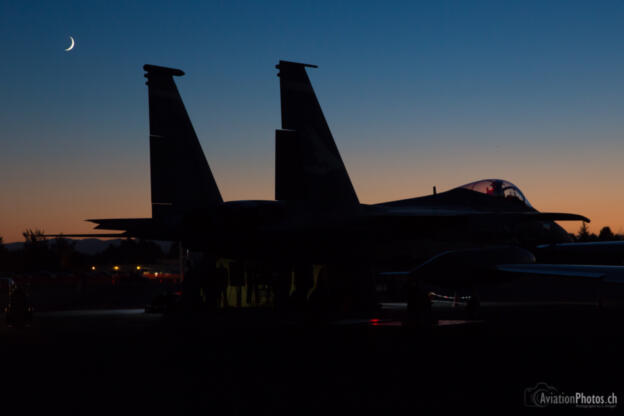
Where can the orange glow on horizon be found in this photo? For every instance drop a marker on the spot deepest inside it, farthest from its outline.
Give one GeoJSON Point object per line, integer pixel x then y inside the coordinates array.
{"type": "Point", "coordinates": [551, 182]}
{"type": "Point", "coordinates": [601, 211]}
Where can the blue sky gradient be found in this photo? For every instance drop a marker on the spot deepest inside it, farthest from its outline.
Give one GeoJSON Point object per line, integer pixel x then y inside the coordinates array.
{"type": "Point", "coordinates": [420, 94]}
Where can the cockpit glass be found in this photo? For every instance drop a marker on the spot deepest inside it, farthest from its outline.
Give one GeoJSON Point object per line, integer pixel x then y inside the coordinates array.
{"type": "Point", "coordinates": [498, 188]}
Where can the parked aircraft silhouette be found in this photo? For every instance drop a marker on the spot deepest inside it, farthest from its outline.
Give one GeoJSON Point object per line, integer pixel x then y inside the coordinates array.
{"type": "Point", "coordinates": [459, 238]}
{"type": "Point", "coordinates": [463, 238]}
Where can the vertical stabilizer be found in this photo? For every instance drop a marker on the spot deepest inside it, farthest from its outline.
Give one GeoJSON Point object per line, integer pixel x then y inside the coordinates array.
{"type": "Point", "coordinates": [180, 176]}
{"type": "Point", "coordinates": [317, 174]}
{"type": "Point", "coordinates": [289, 181]}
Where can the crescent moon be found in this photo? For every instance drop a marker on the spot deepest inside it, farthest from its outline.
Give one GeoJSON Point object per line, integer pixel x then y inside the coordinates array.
{"type": "Point", "coordinates": [72, 44]}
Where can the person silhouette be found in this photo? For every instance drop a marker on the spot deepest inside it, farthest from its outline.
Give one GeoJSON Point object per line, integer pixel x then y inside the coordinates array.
{"type": "Point", "coordinates": [496, 188]}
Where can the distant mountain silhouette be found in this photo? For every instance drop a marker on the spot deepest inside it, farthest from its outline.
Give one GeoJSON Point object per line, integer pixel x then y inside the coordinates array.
{"type": "Point", "coordinates": [89, 246]}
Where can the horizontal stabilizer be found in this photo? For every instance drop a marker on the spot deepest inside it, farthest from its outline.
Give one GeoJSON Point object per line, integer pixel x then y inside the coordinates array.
{"type": "Point", "coordinates": [102, 235]}
{"type": "Point", "coordinates": [147, 228]}
{"type": "Point", "coordinates": [125, 224]}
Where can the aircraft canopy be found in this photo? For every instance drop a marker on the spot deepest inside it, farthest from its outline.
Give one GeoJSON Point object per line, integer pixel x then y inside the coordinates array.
{"type": "Point", "coordinates": [497, 188]}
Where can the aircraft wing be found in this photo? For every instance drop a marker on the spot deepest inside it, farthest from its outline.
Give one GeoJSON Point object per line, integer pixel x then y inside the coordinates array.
{"type": "Point", "coordinates": [502, 215]}
{"type": "Point", "coordinates": [600, 245]}
{"type": "Point", "coordinates": [609, 280]}
{"type": "Point", "coordinates": [601, 248]}
{"type": "Point", "coordinates": [612, 274]}
{"type": "Point", "coordinates": [493, 265]}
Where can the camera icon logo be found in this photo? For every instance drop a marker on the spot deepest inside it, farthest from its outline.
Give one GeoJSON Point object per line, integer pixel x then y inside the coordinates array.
{"type": "Point", "coordinates": [538, 395]}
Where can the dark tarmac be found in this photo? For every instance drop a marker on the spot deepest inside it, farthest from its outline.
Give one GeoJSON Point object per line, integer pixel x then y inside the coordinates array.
{"type": "Point", "coordinates": [246, 362]}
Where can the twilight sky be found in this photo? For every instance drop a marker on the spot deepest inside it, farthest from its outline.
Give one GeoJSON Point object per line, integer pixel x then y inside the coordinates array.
{"type": "Point", "coordinates": [429, 93]}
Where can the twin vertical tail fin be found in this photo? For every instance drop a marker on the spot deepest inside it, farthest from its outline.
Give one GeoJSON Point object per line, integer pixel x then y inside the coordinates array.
{"type": "Point", "coordinates": [308, 166]}
{"type": "Point", "coordinates": [182, 182]}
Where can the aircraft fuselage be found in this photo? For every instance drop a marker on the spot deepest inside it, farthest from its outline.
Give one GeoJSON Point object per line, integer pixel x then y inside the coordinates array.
{"type": "Point", "coordinates": [299, 232]}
